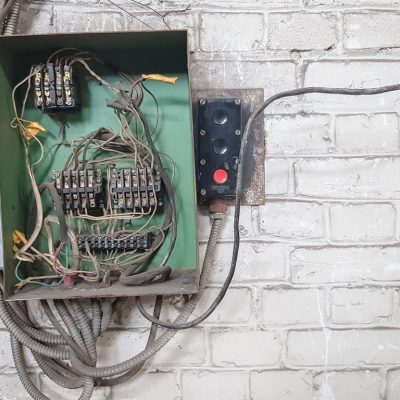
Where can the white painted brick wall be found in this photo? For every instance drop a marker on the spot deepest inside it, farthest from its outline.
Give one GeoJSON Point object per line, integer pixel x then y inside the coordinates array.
{"type": "Point", "coordinates": [314, 311]}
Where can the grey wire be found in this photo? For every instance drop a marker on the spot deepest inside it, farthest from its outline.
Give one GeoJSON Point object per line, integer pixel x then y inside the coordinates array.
{"type": "Point", "coordinates": [129, 13]}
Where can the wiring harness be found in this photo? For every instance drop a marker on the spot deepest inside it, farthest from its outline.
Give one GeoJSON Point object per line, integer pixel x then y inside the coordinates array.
{"type": "Point", "coordinates": [106, 196]}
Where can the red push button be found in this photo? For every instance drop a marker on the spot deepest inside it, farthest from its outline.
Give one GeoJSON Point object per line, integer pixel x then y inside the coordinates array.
{"type": "Point", "coordinates": [220, 176]}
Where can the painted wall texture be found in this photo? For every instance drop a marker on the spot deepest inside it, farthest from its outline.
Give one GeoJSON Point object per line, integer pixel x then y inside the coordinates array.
{"type": "Point", "coordinates": [314, 312]}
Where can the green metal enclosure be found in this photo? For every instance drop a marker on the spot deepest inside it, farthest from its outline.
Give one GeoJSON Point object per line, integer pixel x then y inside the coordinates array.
{"type": "Point", "coordinates": [135, 53]}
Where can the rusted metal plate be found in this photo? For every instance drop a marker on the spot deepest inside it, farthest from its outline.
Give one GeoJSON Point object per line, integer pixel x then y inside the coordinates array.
{"type": "Point", "coordinates": [254, 167]}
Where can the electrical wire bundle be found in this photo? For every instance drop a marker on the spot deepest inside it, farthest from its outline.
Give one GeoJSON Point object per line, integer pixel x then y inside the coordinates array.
{"type": "Point", "coordinates": [129, 146]}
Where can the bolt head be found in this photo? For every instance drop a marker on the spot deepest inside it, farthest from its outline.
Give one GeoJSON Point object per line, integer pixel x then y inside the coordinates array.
{"type": "Point", "coordinates": [203, 192]}
{"type": "Point", "coordinates": [203, 161]}
{"type": "Point", "coordinates": [237, 101]}
{"type": "Point", "coordinates": [203, 132]}
{"type": "Point", "coordinates": [238, 132]}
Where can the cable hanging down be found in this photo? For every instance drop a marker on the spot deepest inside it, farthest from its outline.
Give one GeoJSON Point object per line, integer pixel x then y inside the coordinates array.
{"type": "Point", "coordinates": [239, 195]}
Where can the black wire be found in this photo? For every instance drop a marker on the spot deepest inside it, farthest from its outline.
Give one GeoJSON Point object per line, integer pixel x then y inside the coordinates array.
{"type": "Point", "coordinates": [243, 153]}
{"type": "Point", "coordinates": [59, 209]}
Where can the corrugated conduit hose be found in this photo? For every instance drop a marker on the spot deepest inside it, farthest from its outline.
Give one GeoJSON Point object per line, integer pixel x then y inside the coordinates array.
{"type": "Point", "coordinates": [84, 333]}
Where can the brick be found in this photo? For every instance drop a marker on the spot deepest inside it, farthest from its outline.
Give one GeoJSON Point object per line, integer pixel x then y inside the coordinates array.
{"type": "Point", "coordinates": [277, 174]}
{"type": "Point", "coordinates": [351, 178]}
{"type": "Point", "coordinates": [244, 348]}
{"type": "Point", "coordinates": [257, 261]}
{"type": "Point", "coordinates": [302, 31]}
{"type": "Point", "coordinates": [362, 306]}
{"type": "Point", "coordinates": [298, 134]}
{"type": "Point", "coordinates": [6, 358]}
{"type": "Point", "coordinates": [35, 20]}
{"type": "Point", "coordinates": [113, 345]}
{"type": "Point", "coordinates": [247, 223]}
{"type": "Point", "coordinates": [148, 386]}
{"type": "Point", "coordinates": [216, 32]}
{"type": "Point", "coordinates": [393, 385]}
{"type": "Point", "coordinates": [287, 307]}
{"type": "Point", "coordinates": [185, 347]}
{"type": "Point", "coordinates": [282, 385]}
{"type": "Point", "coordinates": [292, 220]}
{"type": "Point", "coordinates": [361, 74]}
{"type": "Point", "coordinates": [66, 21]}
{"type": "Point", "coordinates": [343, 347]}
{"type": "Point", "coordinates": [367, 133]}
{"type": "Point", "coordinates": [203, 384]}
{"type": "Point", "coordinates": [371, 30]}
{"type": "Point", "coordinates": [275, 76]}
{"type": "Point", "coordinates": [354, 74]}
{"type": "Point", "coordinates": [11, 387]}
{"type": "Point", "coordinates": [344, 385]}
{"type": "Point", "coordinates": [367, 222]}
{"type": "Point", "coordinates": [236, 307]}
{"type": "Point", "coordinates": [53, 391]}
{"type": "Point", "coordinates": [331, 265]}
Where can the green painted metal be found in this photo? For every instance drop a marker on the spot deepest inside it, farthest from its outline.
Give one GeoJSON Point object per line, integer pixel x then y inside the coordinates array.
{"type": "Point", "coordinates": [135, 53]}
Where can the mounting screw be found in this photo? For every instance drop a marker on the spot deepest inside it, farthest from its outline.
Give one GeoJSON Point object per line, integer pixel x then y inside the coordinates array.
{"type": "Point", "coordinates": [237, 101]}
{"type": "Point", "coordinates": [202, 101]}
{"type": "Point", "coordinates": [237, 132]}
{"type": "Point", "coordinates": [203, 161]}
{"type": "Point", "coordinates": [203, 132]}
{"type": "Point", "coordinates": [203, 192]}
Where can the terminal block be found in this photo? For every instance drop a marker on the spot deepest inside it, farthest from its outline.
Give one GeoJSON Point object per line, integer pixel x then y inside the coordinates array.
{"type": "Point", "coordinates": [109, 242]}
{"type": "Point", "coordinates": [55, 88]}
{"type": "Point", "coordinates": [81, 191]}
{"type": "Point", "coordinates": [135, 189]}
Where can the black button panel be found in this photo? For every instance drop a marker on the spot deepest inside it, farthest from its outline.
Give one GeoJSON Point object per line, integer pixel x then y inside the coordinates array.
{"type": "Point", "coordinates": [218, 137]}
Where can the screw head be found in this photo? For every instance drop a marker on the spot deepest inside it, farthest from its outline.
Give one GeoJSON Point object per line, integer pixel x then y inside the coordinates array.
{"type": "Point", "coordinates": [238, 132]}
{"type": "Point", "coordinates": [203, 192]}
{"type": "Point", "coordinates": [203, 132]}
{"type": "Point", "coordinates": [203, 161]}
{"type": "Point", "coordinates": [202, 101]}
{"type": "Point", "coordinates": [237, 101]}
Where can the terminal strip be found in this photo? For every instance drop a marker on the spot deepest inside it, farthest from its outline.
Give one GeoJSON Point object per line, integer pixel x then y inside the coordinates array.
{"type": "Point", "coordinates": [135, 189]}
{"type": "Point", "coordinates": [109, 242]}
{"type": "Point", "coordinates": [81, 191]}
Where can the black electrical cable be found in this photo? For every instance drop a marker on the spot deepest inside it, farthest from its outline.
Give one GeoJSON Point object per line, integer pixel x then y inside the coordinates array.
{"type": "Point", "coordinates": [243, 150]}
{"type": "Point", "coordinates": [59, 209]}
